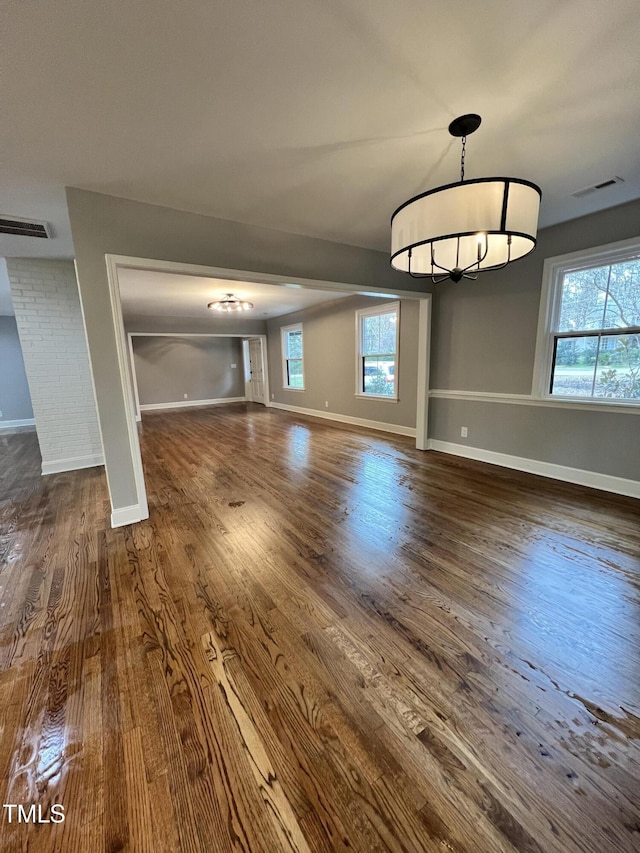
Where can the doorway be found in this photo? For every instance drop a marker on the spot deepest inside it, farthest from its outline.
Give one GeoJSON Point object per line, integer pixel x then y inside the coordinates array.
{"type": "Point", "coordinates": [138, 511]}
{"type": "Point", "coordinates": [256, 370]}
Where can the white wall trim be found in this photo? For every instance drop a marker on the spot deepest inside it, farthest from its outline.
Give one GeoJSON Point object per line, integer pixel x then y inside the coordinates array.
{"type": "Point", "coordinates": [248, 391]}
{"type": "Point", "coordinates": [605, 482]}
{"type": "Point", "coordinates": [347, 419]}
{"type": "Point", "coordinates": [72, 463]}
{"type": "Point", "coordinates": [127, 389]}
{"type": "Point", "coordinates": [154, 264]}
{"type": "Point", "coordinates": [422, 397]}
{"type": "Point", "coordinates": [17, 424]}
{"type": "Point", "coordinates": [134, 376]}
{"type": "Point", "coordinates": [530, 400]}
{"type": "Point", "coordinates": [242, 335]}
{"type": "Point", "coordinates": [189, 404]}
{"type": "Point", "coordinates": [129, 515]}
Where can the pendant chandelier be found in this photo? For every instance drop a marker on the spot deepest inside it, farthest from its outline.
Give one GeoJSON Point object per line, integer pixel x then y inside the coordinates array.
{"type": "Point", "coordinates": [461, 229]}
{"type": "Point", "coordinates": [230, 303]}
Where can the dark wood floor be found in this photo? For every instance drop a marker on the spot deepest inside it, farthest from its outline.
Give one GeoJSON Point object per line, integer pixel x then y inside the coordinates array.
{"type": "Point", "coordinates": [321, 640]}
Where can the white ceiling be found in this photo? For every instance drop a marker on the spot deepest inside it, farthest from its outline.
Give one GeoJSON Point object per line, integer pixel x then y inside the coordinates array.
{"type": "Point", "coordinates": [166, 294]}
{"type": "Point", "coordinates": [316, 118]}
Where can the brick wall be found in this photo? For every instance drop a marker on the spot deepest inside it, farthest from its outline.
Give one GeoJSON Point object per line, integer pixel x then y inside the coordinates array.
{"type": "Point", "coordinates": [49, 318]}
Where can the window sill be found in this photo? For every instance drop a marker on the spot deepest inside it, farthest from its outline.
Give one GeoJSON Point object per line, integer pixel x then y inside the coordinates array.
{"type": "Point", "coordinates": [291, 388]}
{"type": "Point", "coordinates": [376, 397]}
{"type": "Point", "coordinates": [590, 403]}
{"type": "Point", "coordinates": [585, 404]}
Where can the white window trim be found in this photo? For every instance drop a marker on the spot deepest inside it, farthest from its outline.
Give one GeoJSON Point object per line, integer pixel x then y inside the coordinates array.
{"type": "Point", "coordinates": [369, 312]}
{"type": "Point", "coordinates": [554, 269]}
{"type": "Point", "coordinates": [294, 327]}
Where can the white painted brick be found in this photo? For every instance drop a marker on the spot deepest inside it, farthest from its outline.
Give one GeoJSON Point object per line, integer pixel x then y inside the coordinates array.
{"type": "Point", "coordinates": [49, 319]}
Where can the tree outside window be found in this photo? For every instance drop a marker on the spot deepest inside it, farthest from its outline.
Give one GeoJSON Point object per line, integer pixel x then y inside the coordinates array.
{"type": "Point", "coordinates": [292, 357]}
{"type": "Point", "coordinates": [596, 343]}
{"type": "Point", "coordinates": [377, 351]}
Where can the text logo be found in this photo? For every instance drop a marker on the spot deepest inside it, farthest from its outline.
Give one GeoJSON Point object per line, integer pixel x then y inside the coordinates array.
{"type": "Point", "coordinates": [19, 813]}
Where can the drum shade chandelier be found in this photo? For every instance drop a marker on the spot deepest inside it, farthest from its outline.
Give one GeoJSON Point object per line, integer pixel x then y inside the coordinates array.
{"type": "Point", "coordinates": [461, 229]}
{"type": "Point", "coordinates": [230, 303]}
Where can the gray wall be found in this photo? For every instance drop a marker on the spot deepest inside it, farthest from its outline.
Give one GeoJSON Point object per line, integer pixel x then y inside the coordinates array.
{"type": "Point", "coordinates": [604, 442]}
{"type": "Point", "coordinates": [329, 338]}
{"type": "Point", "coordinates": [15, 401]}
{"type": "Point", "coordinates": [167, 368]}
{"type": "Point", "coordinates": [104, 224]}
{"type": "Point", "coordinates": [484, 336]}
{"type": "Point", "coordinates": [230, 325]}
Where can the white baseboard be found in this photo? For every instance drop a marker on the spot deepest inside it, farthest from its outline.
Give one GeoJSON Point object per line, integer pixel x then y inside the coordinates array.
{"type": "Point", "coordinates": [72, 463]}
{"type": "Point", "coordinates": [605, 482]}
{"type": "Point", "coordinates": [347, 419]}
{"type": "Point", "coordinates": [128, 515]}
{"type": "Point", "coordinates": [17, 424]}
{"type": "Point", "coordinates": [181, 404]}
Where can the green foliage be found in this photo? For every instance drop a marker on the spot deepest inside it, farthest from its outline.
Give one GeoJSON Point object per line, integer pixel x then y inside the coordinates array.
{"type": "Point", "coordinates": [378, 385]}
{"type": "Point", "coordinates": [611, 383]}
{"type": "Point", "coordinates": [623, 381]}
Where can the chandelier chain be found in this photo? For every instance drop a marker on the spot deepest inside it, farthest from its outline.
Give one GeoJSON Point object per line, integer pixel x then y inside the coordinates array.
{"type": "Point", "coordinates": [462, 156]}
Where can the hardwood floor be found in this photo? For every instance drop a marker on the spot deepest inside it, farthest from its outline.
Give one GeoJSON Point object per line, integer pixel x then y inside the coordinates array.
{"type": "Point", "coordinates": [322, 639]}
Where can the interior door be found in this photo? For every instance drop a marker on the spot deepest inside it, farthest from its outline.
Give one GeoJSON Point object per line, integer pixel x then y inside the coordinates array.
{"type": "Point", "coordinates": [255, 366]}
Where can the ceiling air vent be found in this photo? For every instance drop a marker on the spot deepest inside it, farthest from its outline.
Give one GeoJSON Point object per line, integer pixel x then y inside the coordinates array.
{"type": "Point", "coordinates": [596, 187]}
{"type": "Point", "coordinates": [24, 227]}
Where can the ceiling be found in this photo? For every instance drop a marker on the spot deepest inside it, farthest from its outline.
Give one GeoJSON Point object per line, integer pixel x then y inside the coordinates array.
{"type": "Point", "coordinates": [316, 118]}
{"type": "Point", "coordinates": [166, 294]}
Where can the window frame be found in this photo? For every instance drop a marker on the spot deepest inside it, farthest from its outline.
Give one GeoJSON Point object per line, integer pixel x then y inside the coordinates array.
{"type": "Point", "coordinates": [549, 315]}
{"type": "Point", "coordinates": [361, 313]}
{"type": "Point", "coordinates": [284, 331]}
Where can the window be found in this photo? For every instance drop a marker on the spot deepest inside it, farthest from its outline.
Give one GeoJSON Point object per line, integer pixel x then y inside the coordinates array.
{"type": "Point", "coordinates": [377, 334]}
{"type": "Point", "coordinates": [589, 330]}
{"type": "Point", "coordinates": [292, 355]}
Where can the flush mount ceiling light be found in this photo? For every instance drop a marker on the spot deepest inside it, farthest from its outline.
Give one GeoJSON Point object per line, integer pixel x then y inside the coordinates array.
{"type": "Point", "coordinates": [230, 303]}
{"type": "Point", "coordinates": [461, 229]}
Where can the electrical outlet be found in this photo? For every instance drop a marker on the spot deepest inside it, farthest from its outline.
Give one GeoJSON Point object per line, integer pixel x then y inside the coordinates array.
{"type": "Point", "coordinates": [0, 414]}
{"type": "Point", "coordinates": [186, 396]}
{"type": "Point", "coordinates": [273, 396]}
{"type": "Point", "coordinates": [233, 365]}
{"type": "Point", "coordinates": [326, 404]}
{"type": "Point", "coordinates": [464, 432]}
